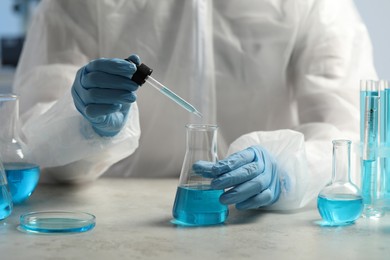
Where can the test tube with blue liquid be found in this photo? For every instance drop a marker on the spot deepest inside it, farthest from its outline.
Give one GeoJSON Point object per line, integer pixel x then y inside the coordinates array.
{"type": "Point", "coordinates": [370, 160]}
{"type": "Point", "coordinates": [385, 140]}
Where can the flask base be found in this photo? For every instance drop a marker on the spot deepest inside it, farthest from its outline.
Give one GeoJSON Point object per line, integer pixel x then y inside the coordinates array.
{"type": "Point", "coordinates": [22, 179]}
{"type": "Point", "coordinates": [340, 209]}
{"type": "Point", "coordinates": [185, 219]}
{"type": "Point", "coordinates": [198, 207]}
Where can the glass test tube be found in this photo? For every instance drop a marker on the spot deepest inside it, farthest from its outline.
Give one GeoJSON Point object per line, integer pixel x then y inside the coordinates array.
{"type": "Point", "coordinates": [367, 88]}
{"type": "Point", "coordinates": [370, 158]}
{"type": "Point", "coordinates": [385, 139]}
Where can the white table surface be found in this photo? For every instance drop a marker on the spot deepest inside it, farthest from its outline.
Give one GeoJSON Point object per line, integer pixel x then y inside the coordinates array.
{"type": "Point", "coordinates": [133, 222]}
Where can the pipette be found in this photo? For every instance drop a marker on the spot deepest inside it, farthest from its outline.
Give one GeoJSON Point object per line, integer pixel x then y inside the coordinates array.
{"type": "Point", "coordinates": [142, 75]}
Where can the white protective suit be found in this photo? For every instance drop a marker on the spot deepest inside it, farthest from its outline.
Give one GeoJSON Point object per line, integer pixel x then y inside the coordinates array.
{"type": "Point", "coordinates": [283, 74]}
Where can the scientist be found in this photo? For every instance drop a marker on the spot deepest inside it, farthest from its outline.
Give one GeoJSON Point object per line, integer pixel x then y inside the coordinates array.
{"type": "Point", "coordinates": [280, 78]}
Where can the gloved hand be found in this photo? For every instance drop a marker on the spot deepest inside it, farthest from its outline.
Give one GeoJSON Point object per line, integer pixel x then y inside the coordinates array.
{"type": "Point", "coordinates": [103, 92]}
{"type": "Point", "coordinates": [252, 175]}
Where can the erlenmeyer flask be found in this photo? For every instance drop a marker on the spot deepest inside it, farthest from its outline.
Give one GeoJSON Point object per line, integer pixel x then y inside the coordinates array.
{"type": "Point", "coordinates": [5, 195]}
{"type": "Point", "coordinates": [340, 202]}
{"type": "Point", "coordinates": [22, 174]}
{"type": "Point", "coordinates": [196, 203]}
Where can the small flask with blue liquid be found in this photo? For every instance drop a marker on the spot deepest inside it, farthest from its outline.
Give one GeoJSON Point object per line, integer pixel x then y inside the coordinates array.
{"type": "Point", "coordinates": [21, 172]}
{"type": "Point", "coordinates": [196, 203]}
{"type": "Point", "coordinates": [340, 202]}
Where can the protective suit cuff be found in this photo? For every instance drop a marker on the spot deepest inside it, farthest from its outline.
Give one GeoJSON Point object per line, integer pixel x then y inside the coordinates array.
{"type": "Point", "coordinates": [287, 147]}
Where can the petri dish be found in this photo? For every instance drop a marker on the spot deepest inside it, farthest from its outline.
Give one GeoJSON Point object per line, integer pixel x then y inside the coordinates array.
{"type": "Point", "coordinates": [57, 222]}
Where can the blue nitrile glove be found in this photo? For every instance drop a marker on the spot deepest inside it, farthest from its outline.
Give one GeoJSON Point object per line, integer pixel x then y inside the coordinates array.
{"type": "Point", "coordinates": [103, 92]}
{"type": "Point", "coordinates": [252, 175]}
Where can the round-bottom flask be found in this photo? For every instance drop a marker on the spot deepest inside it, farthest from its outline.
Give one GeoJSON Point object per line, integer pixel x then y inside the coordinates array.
{"type": "Point", "coordinates": [22, 174]}
{"type": "Point", "coordinates": [340, 202]}
{"type": "Point", "coordinates": [196, 203]}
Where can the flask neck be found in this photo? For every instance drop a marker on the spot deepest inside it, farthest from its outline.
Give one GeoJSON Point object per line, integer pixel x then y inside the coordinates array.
{"type": "Point", "coordinates": [204, 142]}
{"type": "Point", "coordinates": [341, 161]}
{"type": "Point", "coordinates": [201, 146]}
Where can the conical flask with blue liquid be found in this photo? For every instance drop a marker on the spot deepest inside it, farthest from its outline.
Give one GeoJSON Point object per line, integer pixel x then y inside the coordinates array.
{"type": "Point", "coordinates": [196, 203]}
{"type": "Point", "coordinates": [21, 172]}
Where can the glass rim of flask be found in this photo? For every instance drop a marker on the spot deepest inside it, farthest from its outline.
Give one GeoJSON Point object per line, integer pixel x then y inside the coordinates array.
{"type": "Point", "coordinates": [8, 97]}
{"type": "Point", "coordinates": [341, 142]}
{"type": "Point", "coordinates": [202, 127]}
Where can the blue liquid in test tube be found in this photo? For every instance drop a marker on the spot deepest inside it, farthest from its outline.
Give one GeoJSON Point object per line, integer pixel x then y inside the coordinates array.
{"type": "Point", "coordinates": [385, 139]}
{"type": "Point", "coordinates": [370, 157]}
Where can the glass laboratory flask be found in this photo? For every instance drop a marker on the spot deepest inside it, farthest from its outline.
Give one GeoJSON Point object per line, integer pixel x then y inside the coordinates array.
{"type": "Point", "coordinates": [22, 174]}
{"type": "Point", "coordinates": [196, 204]}
{"type": "Point", "coordinates": [5, 195]}
{"type": "Point", "coordinates": [340, 202]}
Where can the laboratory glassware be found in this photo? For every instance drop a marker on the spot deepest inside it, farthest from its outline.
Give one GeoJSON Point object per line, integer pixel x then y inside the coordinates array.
{"type": "Point", "coordinates": [340, 202]}
{"type": "Point", "coordinates": [196, 203]}
{"type": "Point", "coordinates": [142, 75]}
{"type": "Point", "coordinates": [370, 158]}
{"type": "Point", "coordinates": [367, 88]}
{"type": "Point", "coordinates": [6, 204]}
{"type": "Point", "coordinates": [57, 222]}
{"type": "Point", "coordinates": [22, 173]}
{"type": "Point", "coordinates": [384, 140]}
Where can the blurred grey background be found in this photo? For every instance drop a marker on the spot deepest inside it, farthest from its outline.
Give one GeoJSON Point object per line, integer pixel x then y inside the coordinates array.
{"type": "Point", "coordinates": [14, 19]}
{"type": "Point", "coordinates": [15, 15]}
{"type": "Point", "coordinates": [375, 14]}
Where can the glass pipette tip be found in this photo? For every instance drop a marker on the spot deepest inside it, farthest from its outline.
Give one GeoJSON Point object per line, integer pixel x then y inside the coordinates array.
{"type": "Point", "coordinates": [173, 96]}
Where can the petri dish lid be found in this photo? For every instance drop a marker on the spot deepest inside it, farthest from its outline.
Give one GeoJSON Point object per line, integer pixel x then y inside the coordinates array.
{"type": "Point", "coordinates": [57, 222]}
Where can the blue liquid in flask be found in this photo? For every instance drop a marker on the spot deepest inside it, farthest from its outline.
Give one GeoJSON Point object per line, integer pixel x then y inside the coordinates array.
{"type": "Point", "coordinates": [196, 206]}
{"type": "Point", "coordinates": [22, 179]}
{"type": "Point", "coordinates": [5, 202]}
{"type": "Point", "coordinates": [340, 209]}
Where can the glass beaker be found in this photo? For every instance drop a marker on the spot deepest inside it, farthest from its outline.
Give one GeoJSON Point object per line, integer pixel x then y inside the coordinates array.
{"type": "Point", "coordinates": [340, 202]}
{"type": "Point", "coordinates": [196, 203]}
{"type": "Point", "coordinates": [5, 195]}
{"type": "Point", "coordinates": [22, 174]}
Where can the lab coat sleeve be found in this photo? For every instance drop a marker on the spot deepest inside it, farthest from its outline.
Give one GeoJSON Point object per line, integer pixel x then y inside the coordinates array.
{"type": "Point", "coordinates": [332, 53]}
{"type": "Point", "coordinates": [62, 142]}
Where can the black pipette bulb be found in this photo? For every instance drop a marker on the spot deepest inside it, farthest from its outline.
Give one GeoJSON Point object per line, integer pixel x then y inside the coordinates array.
{"type": "Point", "coordinates": [143, 71]}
